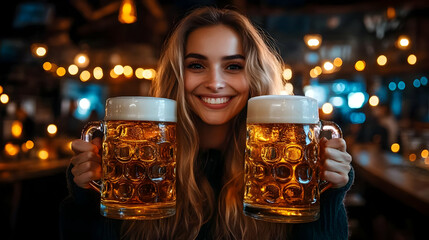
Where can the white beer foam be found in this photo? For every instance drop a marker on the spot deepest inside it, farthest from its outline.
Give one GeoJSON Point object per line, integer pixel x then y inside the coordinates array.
{"type": "Point", "coordinates": [141, 109]}
{"type": "Point", "coordinates": [282, 109]}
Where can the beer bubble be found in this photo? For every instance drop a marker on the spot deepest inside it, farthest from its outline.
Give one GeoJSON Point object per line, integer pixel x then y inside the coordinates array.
{"type": "Point", "coordinates": [130, 132]}
{"type": "Point", "coordinates": [166, 151]}
{"type": "Point", "coordinates": [157, 172]}
{"type": "Point", "coordinates": [148, 192]}
{"type": "Point", "coordinates": [270, 153]}
{"type": "Point", "coordinates": [123, 152]}
{"type": "Point", "coordinates": [293, 193]}
{"type": "Point", "coordinates": [271, 193]}
{"type": "Point", "coordinates": [304, 173]}
{"type": "Point", "coordinates": [123, 191]}
{"type": "Point", "coordinates": [113, 170]}
{"type": "Point", "coordinates": [166, 191]}
{"type": "Point", "coordinates": [260, 171]}
{"type": "Point", "coordinates": [283, 172]}
{"type": "Point", "coordinates": [293, 153]}
{"type": "Point", "coordinates": [148, 152]}
{"type": "Point", "coordinates": [135, 171]}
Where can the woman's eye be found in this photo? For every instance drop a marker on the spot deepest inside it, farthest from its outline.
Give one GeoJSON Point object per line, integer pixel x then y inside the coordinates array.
{"type": "Point", "coordinates": [195, 66]}
{"type": "Point", "coordinates": [234, 67]}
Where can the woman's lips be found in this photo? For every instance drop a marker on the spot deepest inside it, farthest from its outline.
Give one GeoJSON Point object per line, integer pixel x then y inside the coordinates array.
{"type": "Point", "coordinates": [215, 102]}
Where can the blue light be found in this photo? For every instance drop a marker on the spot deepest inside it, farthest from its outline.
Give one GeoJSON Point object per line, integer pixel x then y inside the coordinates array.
{"type": "Point", "coordinates": [392, 86]}
{"type": "Point", "coordinates": [401, 85]}
{"type": "Point", "coordinates": [338, 87]}
{"type": "Point", "coordinates": [337, 101]}
{"type": "Point", "coordinates": [356, 99]}
{"type": "Point", "coordinates": [357, 117]}
{"type": "Point", "coordinates": [424, 80]}
{"type": "Point", "coordinates": [416, 83]}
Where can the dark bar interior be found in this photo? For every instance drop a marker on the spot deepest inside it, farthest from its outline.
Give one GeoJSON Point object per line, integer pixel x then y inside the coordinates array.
{"type": "Point", "coordinates": [366, 62]}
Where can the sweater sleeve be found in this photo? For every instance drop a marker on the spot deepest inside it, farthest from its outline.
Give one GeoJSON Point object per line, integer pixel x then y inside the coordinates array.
{"type": "Point", "coordinates": [80, 216]}
{"type": "Point", "coordinates": [333, 221]}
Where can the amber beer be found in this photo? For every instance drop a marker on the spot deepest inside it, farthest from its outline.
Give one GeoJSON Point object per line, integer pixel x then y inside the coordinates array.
{"type": "Point", "coordinates": [282, 165]}
{"type": "Point", "coordinates": [138, 158]}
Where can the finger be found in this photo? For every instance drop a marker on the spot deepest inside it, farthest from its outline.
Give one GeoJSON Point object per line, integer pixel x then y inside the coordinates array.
{"type": "Point", "coordinates": [84, 179]}
{"type": "Point", "coordinates": [336, 166]}
{"type": "Point", "coordinates": [79, 146]}
{"type": "Point", "coordinates": [336, 179]}
{"type": "Point", "coordinates": [87, 166]}
{"type": "Point", "coordinates": [337, 143]}
{"type": "Point", "coordinates": [84, 157]}
{"type": "Point", "coordinates": [337, 155]}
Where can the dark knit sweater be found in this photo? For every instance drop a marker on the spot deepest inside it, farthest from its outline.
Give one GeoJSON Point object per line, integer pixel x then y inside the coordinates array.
{"type": "Point", "coordinates": [80, 216]}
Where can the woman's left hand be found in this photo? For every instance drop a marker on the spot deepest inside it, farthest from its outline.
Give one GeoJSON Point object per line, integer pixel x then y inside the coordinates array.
{"type": "Point", "coordinates": [336, 161]}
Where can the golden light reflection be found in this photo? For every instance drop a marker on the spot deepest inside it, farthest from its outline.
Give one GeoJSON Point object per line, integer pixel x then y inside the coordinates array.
{"type": "Point", "coordinates": [318, 70]}
{"type": "Point", "coordinates": [4, 98]}
{"type": "Point", "coordinates": [73, 69]}
{"type": "Point", "coordinates": [1, 89]}
{"type": "Point", "coordinates": [47, 66]}
{"type": "Point", "coordinates": [360, 65]}
{"type": "Point", "coordinates": [139, 73]}
{"type": "Point", "coordinates": [98, 73]}
{"type": "Point", "coordinates": [391, 13]}
{"type": "Point", "coordinates": [52, 129]}
{"type": "Point", "coordinates": [287, 74]}
{"type": "Point", "coordinates": [313, 41]}
{"type": "Point", "coordinates": [38, 49]}
{"type": "Point", "coordinates": [61, 71]}
{"type": "Point", "coordinates": [127, 12]}
{"type": "Point", "coordinates": [328, 66]}
{"type": "Point", "coordinates": [16, 129]}
{"type": "Point", "coordinates": [395, 147]}
{"type": "Point", "coordinates": [288, 88]}
{"type": "Point", "coordinates": [128, 71]}
{"type": "Point", "coordinates": [403, 42]}
{"type": "Point", "coordinates": [11, 149]}
{"type": "Point", "coordinates": [327, 108]}
{"type": "Point", "coordinates": [43, 154]}
{"type": "Point", "coordinates": [41, 51]}
{"type": "Point", "coordinates": [338, 62]}
{"type": "Point", "coordinates": [118, 69]}
{"type": "Point", "coordinates": [412, 59]}
{"type": "Point", "coordinates": [374, 101]}
{"type": "Point", "coordinates": [85, 75]}
{"type": "Point", "coordinates": [29, 144]}
{"type": "Point", "coordinates": [424, 153]}
{"type": "Point", "coordinates": [149, 73]}
{"type": "Point", "coordinates": [381, 60]}
{"type": "Point", "coordinates": [313, 73]}
{"type": "Point", "coordinates": [412, 157]}
{"type": "Point", "coordinates": [81, 60]}
{"type": "Point", "coordinates": [113, 74]}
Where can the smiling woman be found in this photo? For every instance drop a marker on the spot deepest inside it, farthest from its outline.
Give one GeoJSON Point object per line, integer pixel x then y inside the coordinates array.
{"type": "Point", "coordinates": [213, 62]}
{"type": "Point", "coordinates": [215, 83]}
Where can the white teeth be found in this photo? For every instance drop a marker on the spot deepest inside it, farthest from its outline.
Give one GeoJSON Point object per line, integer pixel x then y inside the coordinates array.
{"type": "Point", "coordinates": [215, 100]}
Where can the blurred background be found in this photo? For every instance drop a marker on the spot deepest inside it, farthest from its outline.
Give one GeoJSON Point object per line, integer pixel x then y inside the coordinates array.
{"type": "Point", "coordinates": [366, 62]}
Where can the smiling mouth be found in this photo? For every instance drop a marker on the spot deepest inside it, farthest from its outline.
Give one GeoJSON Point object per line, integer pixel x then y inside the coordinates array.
{"type": "Point", "coordinates": [220, 100]}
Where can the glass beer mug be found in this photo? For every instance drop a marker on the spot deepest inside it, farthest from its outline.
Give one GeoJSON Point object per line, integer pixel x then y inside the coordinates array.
{"type": "Point", "coordinates": [282, 163]}
{"type": "Point", "coordinates": [138, 158]}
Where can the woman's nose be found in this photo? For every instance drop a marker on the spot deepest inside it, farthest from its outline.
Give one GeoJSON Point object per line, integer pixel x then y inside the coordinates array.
{"type": "Point", "coordinates": [215, 81]}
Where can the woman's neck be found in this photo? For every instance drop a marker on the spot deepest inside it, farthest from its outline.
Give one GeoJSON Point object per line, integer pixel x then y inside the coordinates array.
{"type": "Point", "coordinates": [213, 136]}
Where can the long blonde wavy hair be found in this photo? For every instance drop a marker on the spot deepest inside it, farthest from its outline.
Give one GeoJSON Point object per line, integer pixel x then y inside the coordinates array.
{"type": "Point", "coordinates": [195, 197]}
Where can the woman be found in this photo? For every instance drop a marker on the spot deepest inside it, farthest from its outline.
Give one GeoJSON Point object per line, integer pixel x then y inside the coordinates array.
{"type": "Point", "coordinates": [213, 62]}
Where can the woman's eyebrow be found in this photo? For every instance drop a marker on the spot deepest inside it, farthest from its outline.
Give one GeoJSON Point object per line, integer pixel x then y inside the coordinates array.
{"type": "Point", "coordinates": [199, 56]}
{"type": "Point", "coordinates": [232, 57]}
{"type": "Point", "coordinates": [195, 55]}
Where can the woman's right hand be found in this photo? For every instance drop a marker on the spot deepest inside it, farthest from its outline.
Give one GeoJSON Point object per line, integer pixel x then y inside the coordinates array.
{"type": "Point", "coordinates": [86, 161]}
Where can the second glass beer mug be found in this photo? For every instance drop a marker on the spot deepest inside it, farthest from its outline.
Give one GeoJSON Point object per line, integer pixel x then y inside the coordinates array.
{"type": "Point", "coordinates": [282, 165]}
{"type": "Point", "coordinates": [138, 158]}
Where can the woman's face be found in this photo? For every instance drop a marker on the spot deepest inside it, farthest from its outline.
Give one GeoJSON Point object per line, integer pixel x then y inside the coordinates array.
{"type": "Point", "coordinates": [215, 83]}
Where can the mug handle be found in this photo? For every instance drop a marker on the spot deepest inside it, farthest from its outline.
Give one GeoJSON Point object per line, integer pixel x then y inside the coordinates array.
{"type": "Point", "coordinates": [335, 132]}
{"type": "Point", "coordinates": [87, 135]}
